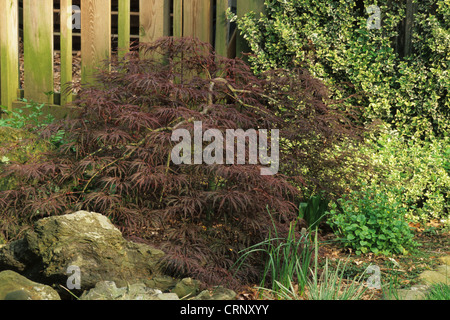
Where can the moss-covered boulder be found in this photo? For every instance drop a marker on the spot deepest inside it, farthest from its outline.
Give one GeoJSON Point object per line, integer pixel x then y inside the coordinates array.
{"type": "Point", "coordinates": [84, 240]}
{"type": "Point", "coordinates": [19, 146]}
{"type": "Point", "coordinates": [13, 286]}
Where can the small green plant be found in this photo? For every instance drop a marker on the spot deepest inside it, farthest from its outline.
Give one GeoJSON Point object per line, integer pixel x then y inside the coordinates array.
{"type": "Point", "coordinates": [32, 117]}
{"type": "Point", "coordinates": [368, 221]}
{"type": "Point", "coordinates": [314, 210]}
{"type": "Point", "coordinates": [438, 291]}
{"type": "Point", "coordinates": [31, 114]}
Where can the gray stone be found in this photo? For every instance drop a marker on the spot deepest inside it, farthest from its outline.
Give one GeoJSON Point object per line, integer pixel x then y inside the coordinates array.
{"type": "Point", "coordinates": [86, 240]}
{"type": "Point", "coordinates": [440, 275]}
{"type": "Point", "coordinates": [417, 292]}
{"type": "Point", "coordinates": [107, 290]}
{"type": "Point", "coordinates": [429, 277]}
{"type": "Point", "coordinates": [18, 295]}
{"type": "Point", "coordinates": [445, 260]}
{"type": "Point", "coordinates": [13, 286]}
{"type": "Point", "coordinates": [167, 296]}
{"type": "Point", "coordinates": [187, 288]}
{"type": "Point", "coordinates": [217, 293]}
{"type": "Point", "coordinates": [161, 282]}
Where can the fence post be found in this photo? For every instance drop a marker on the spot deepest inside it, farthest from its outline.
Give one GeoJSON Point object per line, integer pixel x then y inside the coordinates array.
{"type": "Point", "coordinates": [221, 44]}
{"type": "Point", "coordinates": [124, 27]}
{"type": "Point", "coordinates": [243, 7]}
{"type": "Point", "coordinates": [66, 50]}
{"type": "Point", "coordinates": [178, 18]}
{"type": "Point", "coordinates": [38, 50]}
{"type": "Point", "coordinates": [9, 51]}
{"type": "Point", "coordinates": [95, 36]}
{"type": "Point", "coordinates": [197, 20]}
{"type": "Point", "coordinates": [154, 19]}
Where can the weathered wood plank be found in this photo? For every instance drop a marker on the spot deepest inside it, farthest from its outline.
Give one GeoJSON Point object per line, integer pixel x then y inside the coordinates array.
{"type": "Point", "coordinates": [244, 7]}
{"type": "Point", "coordinates": [95, 36]}
{"type": "Point", "coordinates": [9, 52]}
{"type": "Point", "coordinates": [154, 19]}
{"type": "Point", "coordinates": [124, 26]}
{"type": "Point", "coordinates": [66, 50]}
{"type": "Point", "coordinates": [222, 27]}
{"type": "Point", "coordinates": [197, 20]}
{"type": "Point", "coordinates": [38, 50]}
{"type": "Point", "coordinates": [178, 18]}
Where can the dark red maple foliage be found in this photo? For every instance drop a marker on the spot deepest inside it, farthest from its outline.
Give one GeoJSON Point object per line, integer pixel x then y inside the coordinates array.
{"type": "Point", "coordinates": [115, 156]}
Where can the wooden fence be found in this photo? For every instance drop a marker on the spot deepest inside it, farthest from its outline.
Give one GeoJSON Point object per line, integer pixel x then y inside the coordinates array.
{"type": "Point", "coordinates": [36, 21]}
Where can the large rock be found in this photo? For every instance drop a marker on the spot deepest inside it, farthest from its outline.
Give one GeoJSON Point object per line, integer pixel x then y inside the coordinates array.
{"type": "Point", "coordinates": [13, 286]}
{"type": "Point", "coordinates": [89, 242]}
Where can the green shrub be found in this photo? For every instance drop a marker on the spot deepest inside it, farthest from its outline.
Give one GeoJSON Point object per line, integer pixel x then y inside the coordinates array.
{"type": "Point", "coordinates": [368, 221]}
{"type": "Point", "coordinates": [31, 114]}
{"type": "Point", "coordinates": [31, 117]}
{"type": "Point", "coordinates": [416, 173]}
{"type": "Point", "coordinates": [332, 39]}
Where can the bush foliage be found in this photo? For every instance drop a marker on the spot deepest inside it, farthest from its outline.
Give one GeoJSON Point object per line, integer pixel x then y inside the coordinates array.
{"type": "Point", "coordinates": [331, 38]}
{"type": "Point", "coordinates": [369, 221]}
{"type": "Point", "coordinates": [414, 172]}
{"type": "Point", "coordinates": [115, 158]}
{"type": "Point", "coordinates": [408, 93]}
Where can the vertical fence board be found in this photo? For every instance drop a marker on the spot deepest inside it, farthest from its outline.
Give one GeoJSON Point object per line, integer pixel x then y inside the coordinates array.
{"type": "Point", "coordinates": [124, 26]}
{"type": "Point", "coordinates": [243, 7]}
{"type": "Point", "coordinates": [221, 41]}
{"type": "Point", "coordinates": [191, 18]}
{"type": "Point", "coordinates": [95, 36]}
{"type": "Point", "coordinates": [66, 50]}
{"type": "Point", "coordinates": [38, 48]}
{"type": "Point", "coordinates": [9, 51]}
{"type": "Point", "coordinates": [154, 19]}
{"type": "Point", "coordinates": [197, 20]}
{"type": "Point", "coordinates": [178, 18]}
